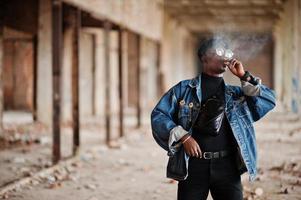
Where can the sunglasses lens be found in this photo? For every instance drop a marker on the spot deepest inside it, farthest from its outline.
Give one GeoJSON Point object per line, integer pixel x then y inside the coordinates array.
{"type": "Point", "coordinates": [229, 54]}
{"type": "Point", "coordinates": [219, 51]}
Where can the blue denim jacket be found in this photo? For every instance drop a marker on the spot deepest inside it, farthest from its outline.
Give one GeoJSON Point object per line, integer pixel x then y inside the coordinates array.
{"type": "Point", "coordinates": [178, 109]}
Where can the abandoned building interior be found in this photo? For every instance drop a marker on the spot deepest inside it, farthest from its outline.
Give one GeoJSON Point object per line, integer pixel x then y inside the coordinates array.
{"type": "Point", "coordinates": [69, 65]}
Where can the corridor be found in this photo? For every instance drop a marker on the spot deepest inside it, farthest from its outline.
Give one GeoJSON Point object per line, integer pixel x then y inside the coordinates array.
{"type": "Point", "coordinates": [79, 79]}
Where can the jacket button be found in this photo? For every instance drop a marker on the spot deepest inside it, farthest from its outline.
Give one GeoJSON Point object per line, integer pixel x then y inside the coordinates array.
{"type": "Point", "coordinates": [182, 102]}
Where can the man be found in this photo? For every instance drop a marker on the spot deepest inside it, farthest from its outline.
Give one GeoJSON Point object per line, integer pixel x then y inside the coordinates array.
{"type": "Point", "coordinates": [213, 121]}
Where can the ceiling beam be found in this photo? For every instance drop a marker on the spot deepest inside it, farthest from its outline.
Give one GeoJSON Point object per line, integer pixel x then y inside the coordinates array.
{"type": "Point", "coordinates": [219, 3]}
{"type": "Point", "coordinates": [224, 12]}
{"type": "Point", "coordinates": [225, 19]}
{"type": "Point", "coordinates": [212, 25]}
{"type": "Point", "coordinates": [213, 15]}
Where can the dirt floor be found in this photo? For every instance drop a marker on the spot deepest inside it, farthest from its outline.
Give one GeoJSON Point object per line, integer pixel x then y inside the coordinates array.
{"type": "Point", "coordinates": [135, 169]}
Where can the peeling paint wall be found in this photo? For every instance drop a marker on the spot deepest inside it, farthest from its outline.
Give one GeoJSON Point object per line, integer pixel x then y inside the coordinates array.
{"type": "Point", "coordinates": [287, 56]}
{"type": "Point", "coordinates": [149, 82]}
{"type": "Point", "coordinates": [44, 64]}
{"type": "Point", "coordinates": [178, 52]}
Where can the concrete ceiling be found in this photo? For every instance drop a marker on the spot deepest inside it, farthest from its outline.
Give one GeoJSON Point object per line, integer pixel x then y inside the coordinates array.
{"type": "Point", "coordinates": [226, 15]}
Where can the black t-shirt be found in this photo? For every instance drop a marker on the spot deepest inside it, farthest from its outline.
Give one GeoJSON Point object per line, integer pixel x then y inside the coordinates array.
{"type": "Point", "coordinates": [224, 140]}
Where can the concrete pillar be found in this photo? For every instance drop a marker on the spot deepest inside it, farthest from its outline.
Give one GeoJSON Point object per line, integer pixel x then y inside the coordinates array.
{"type": "Point", "coordinates": [299, 43]}
{"type": "Point", "coordinates": [120, 83]}
{"type": "Point", "coordinates": [287, 57]}
{"type": "Point", "coordinates": [149, 76]}
{"type": "Point", "coordinates": [125, 68]}
{"type": "Point", "coordinates": [296, 80]}
{"type": "Point", "coordinates": [145, 88]}
{"type": "Point", "coordinates": [86, 76]}
{"type": "Point", "coordinates": [277, 63]}
{"type": "Point", "coordinates": [1, 67]}
{"type": "Point", "coordinates": [175, 54]}
{"type": "Point", "coordinates": [44, 64]}
{"type": "Point", "coordinates": [139, 108]}
{"type": "Point", "coordinates": [298, 32]}
{"type": "Point", "coordinates": [114, 82]}
{"type": "Point", "coordinates": [94, 55]}
{"type": "Point", "coordinates": [108, 114]}
{"type": "Point", "coordinates": [66, 100]}
{"type": "Point", "coordinates": [100, 75]}
{"type": "Point", "coordinates": [91, 74]}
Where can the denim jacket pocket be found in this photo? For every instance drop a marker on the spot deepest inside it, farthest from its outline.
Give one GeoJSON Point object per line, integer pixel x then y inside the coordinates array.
{"type": "Point", "coordinates": [243, 112]}
{"type": "Point", "coordinates": [184, 114]}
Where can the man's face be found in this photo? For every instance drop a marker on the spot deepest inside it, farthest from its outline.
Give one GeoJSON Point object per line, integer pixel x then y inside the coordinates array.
{"type": "Point", "coordinates": [214, 62]}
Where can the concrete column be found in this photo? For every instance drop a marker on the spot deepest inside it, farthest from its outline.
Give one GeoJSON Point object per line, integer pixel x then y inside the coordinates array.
{"type": "Point", "coordinates": [287, 57]}
{"type": "Point", "coordinates": [277, 63]}
{"type": "Point", "coordinates": [149, 77]}
{"type": "Point", "coordinates": [86, 76]}
{"type": "Point", "coordinates": [145, 66]}
{"type": "Point", "coordinates": [100, 74]}
{"type": "Point", "coordinates": [160, 74]}
{"type": "Point", "coordinates": [44, 64]}
{"type": "Point", "coordinates": [108, 114]}
{"type": "Point", "coordinates": [125, 67]}
{"type": "Point", "coordinates": [174, 54]}
{"type": "Point", "coordinates": [93, 75]}
{"type": "Point", "coordinates": [1, 66]}
{"type": "Point", "coordinates": [296, 104]}
{"type": "Point", "coordinates": [139, 108]}
{"type": "Point", "coordinates": [66, 100]}
{"type": "Point", "coordinates": [298, 33]}
{"type": "Point", "coordinates": [299, 43]}
{"type": "Point", "coordinates": [120, 81]}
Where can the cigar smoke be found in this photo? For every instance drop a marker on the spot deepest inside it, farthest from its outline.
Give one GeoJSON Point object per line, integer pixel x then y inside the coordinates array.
{"type": "Point", "coordinates": [245, 46]}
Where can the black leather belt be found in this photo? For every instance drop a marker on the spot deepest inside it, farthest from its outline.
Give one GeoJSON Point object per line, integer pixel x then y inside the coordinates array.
{"type": "Point", "coordinates": [217, 154]}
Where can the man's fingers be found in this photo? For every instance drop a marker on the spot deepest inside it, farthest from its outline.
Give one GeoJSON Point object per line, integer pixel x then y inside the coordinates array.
{"type": "Point", "coordinates": [193, 151]}
{"type": "Point", "coordinates": [196, 152]}
{"type": "Point", "coordinates": [199, 151]}
{"type": "Point", "coordinates": [190, 152]}
{"type": "Point", "coordinates": [227, 63]}
{"type": "Point", "coordinates": [233, 61]}
{"type": "Point", "coordinates": [230, 63]}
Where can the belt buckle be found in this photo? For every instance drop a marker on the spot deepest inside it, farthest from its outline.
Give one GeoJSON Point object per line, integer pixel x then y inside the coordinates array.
{"type": "Point", "coordinates": [209, 153]}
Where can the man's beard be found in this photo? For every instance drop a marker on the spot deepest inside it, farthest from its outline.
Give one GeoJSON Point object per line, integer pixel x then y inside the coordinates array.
{"type": "Point", "coordinates": [221, 69]}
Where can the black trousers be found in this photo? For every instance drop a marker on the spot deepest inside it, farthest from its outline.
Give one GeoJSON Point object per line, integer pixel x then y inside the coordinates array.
{"type": "Point", "coordinates": [220, 176]}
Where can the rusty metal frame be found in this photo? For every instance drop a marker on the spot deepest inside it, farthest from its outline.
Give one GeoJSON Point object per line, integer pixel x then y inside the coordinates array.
{"type": "Point", "coordinates": [76, 27]}
{"type": "Point", "coordinates": [57, 25]}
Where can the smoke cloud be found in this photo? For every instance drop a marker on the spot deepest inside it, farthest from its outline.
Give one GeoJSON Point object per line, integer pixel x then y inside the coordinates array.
{"type": "Point", "coordinates": [245, 46]}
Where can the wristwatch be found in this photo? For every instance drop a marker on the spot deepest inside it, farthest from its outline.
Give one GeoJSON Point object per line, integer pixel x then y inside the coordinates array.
{"type": "Point", "coordinates": [253, 80]}
{"type": "Point", "coordinates": [246, 76]}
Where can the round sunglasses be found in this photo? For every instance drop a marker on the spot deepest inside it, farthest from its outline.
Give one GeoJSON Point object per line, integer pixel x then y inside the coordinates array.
{"type": "Point", "coordinates": [226, 53]}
